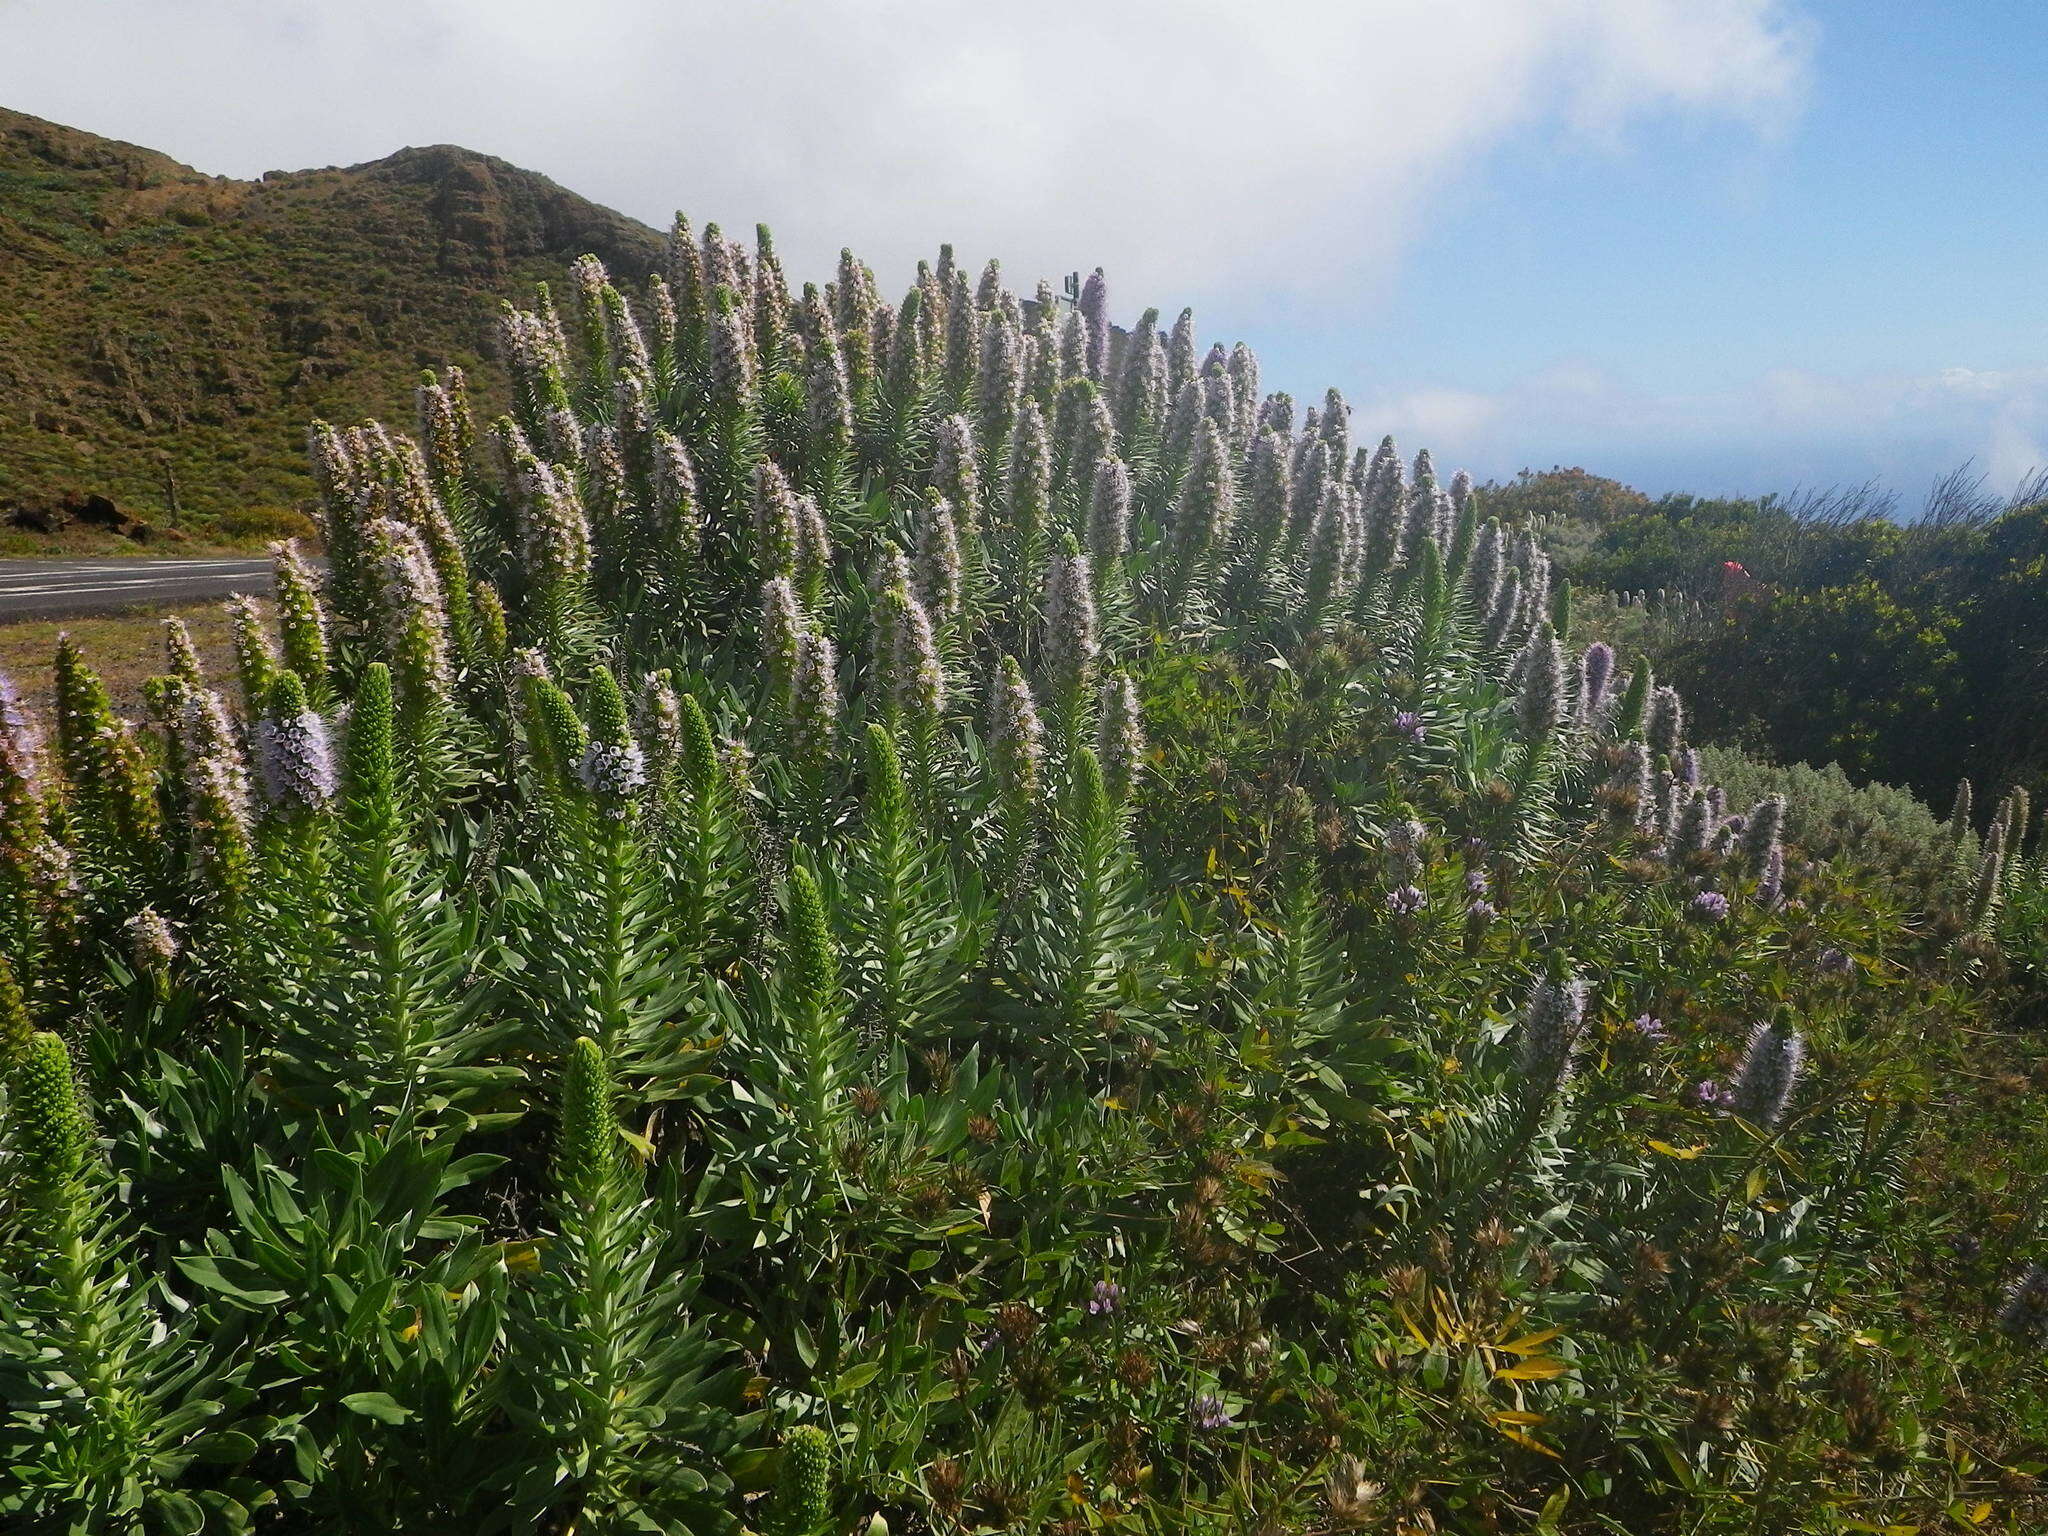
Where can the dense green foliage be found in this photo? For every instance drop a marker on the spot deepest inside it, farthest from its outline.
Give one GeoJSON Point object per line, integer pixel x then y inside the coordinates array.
{"type": "Point", "coordinates": [1911, 652]}
{"type": "Point", "coordinates": [942, 919]}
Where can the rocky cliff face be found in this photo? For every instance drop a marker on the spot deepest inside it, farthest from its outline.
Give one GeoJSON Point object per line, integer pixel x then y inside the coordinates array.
{"type": "Point", "coordinates": [165, 335]}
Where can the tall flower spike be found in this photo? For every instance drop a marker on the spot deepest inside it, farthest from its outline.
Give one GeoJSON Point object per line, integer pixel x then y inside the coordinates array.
{"type": "Point", "coordinates": [776, 530]}
{"type": "Point", "coordinates": [1119, 735]}
{"type": "Point", "coordinates": [813, 548]}
{"type": "Point", "coordinates": [1070, 642]}
{"type": "Point", "coordinates": [1551, 1024]}
{"type": "Point", "coordinates": [814, 695]}
{"type": "Point", "coordinates": [802, 1501]}
{"type": "Point", "coordinates": [612, 767]}
{"type": "Point", "coordinates": [678, 515]}
{"type": "Point", "coordinates": [301, 618]}
{"type": "Point", "coordinates": [1990, 892]}
{"type": "Point", "coordinates": [914, 679]}
{"type": "Point", "coordinates": [956, 475]}
{"type": "Point", "coordinates": [828, 400]}
{"type": "Point", "coordinates": [1109, 514]}
{"type": "Point", "coordinates": [1016, 738]}
{"type": "Point", "coordinates": [1769, 1072]}
{"type": "Point", "coordinates": [1030, 476]}
{"type": "Point", "coordinates": [1180, 352]}
{"type": "Point", "coordinates": [1665, 728]}
{"type": "Point", "coordinates": [217, 795]}
{"type": "Point", "coordinates": [1539, 708]}
{"type": "Point", "coordinates": [1095, 316]}
{"type": "Point", "coordinates": [1267, 486]}
{"type": "Point", "coordinates": [411, 623]}
{"type": "Point", "coordinates": [938, 563]}
{"type": "Point", "coordinates": [1000, 385]}
{"type": "Point", "coordinates": [181, 656]}
{"type": "Point", "coordinates": [1502, 616]}
{"type": "Point", "coordinates": [1202, 514]}
{"type": "Point", "coordinates": [782, 630]}
{"type": "Point", "coordinates": [588, 1151]}
{"type": "Point", "coordinates": [256, 662]}
{"type": "Point", "coordinates": [107, 771]}
{"type": "Point", "coordinates": [1770, 886]}
{"type": "Point", "coordinates": [732, 354]}
{"type": "Point", "coordinates": [1596, 674]}
{"type": "Point", "coordinates": [294, 759]}
{"type": "Point", "coordinates": [1761, 831]}
{"type": "Point", "coordinates": [1134, 390]}
{"type": "Point", "coordinates": [963, 337]}
{"type": "Point", "coordinates": [51, 1136]}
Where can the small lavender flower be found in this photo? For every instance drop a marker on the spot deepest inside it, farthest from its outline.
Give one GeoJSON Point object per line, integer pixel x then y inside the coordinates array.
{"type": "Point", "coordinates": [1409, 724]}
{"type": "Point", "coordinates": [1770, 1069]}
{"type": "Point", "coordinates": [1107, 1298]}
{"type": "Point", "coordinates": [1476, 882]}
{"type": "Point", "coordinates": [1708, 907]}
{"type": "Point", "coordinates": [1835, 962]}
{"type": "Point", "coordinates": [1651, 1028]}
{"type": "Point", "coordinates": [1211, 1412]}
{"type": "Point", "coordinates": [1406, 900]}
{"type": "Point", "coordinates": [1712, 1097]}
{"type": "Point", "coordinates": [152, 943]}
{"type": "Point", "coordinates": [1479, 912]}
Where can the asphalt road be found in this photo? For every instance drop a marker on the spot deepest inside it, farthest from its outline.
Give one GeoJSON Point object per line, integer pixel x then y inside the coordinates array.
{"type": "Point", "coordinates": [54, 588]}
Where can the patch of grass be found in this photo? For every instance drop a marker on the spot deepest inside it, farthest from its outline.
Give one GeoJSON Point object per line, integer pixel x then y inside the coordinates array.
{"type": "Point", "coordinates": [126, 648]}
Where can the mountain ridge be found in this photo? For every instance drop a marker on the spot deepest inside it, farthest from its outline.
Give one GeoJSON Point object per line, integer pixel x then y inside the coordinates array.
{"type": "Point", "coordinates": [166, 335]}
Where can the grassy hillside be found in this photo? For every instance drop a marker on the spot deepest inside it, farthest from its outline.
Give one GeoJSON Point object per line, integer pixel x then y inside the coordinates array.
{"type": "Point", "coordinates": [161, 328]}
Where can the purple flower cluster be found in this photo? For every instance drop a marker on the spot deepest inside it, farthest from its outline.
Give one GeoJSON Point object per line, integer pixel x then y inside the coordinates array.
{"type": "Point", "coordinates": [1108, 1297]}
{"type": "Point", "coordinates": [1709, 907]}
{"type": "Point", "coordinates": [1651, 1028]}
{"type": "Point", "coordinates": [1211, 1412]}
{"type": "Point", "coordinates": [1406, 900]}
{"type": "Point", "coordinates": [1709, 1094]}
{"type": "Point", "coordinates": [1408, 725]}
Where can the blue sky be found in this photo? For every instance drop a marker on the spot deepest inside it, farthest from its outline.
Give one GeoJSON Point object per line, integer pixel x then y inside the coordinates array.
{"type": "Point", "coordinates": [1895, 227]}
{"type": "Point", "coordinates": [1714, 245]}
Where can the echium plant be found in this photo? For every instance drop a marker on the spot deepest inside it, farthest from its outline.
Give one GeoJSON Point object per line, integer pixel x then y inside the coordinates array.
{"type": "Point", "coordinates": [1016, 751]}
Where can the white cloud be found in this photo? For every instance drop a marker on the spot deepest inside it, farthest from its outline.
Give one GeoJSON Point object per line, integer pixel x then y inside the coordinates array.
{"type": "Point", "coordinates": [1194, 147]}
{"type": "Point", "coordinates": [1785, 429]}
